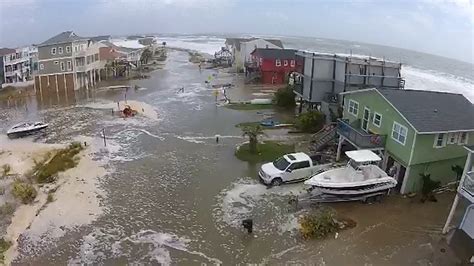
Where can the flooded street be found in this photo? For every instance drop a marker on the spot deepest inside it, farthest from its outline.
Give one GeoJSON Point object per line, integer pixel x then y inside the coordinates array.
{"type": "Point", "coordinates": [173, 195]}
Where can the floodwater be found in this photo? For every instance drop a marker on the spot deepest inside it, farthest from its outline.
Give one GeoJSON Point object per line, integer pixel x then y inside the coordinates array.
{"type": "Point", "coordinates": [175, 196]}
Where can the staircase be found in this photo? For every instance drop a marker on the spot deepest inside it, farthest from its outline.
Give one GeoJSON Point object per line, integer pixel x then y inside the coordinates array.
{"type": "Point", "coordinates": [323, 137]}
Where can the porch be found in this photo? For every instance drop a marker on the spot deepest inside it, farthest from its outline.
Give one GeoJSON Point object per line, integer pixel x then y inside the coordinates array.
{"type": "Point", "coordinates": [357, 138]}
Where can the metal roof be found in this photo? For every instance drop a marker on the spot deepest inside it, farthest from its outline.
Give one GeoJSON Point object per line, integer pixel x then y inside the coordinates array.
{"type": "Point", "coordinates": [363, 156]}
{"type": "Point", "coordinates": [63, 37]}
{"type": "Point", "coordinates": [275, 53]}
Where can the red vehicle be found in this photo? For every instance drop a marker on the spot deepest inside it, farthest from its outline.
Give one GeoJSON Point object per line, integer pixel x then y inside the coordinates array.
{"type": "Point", "coordinates": [275, 65]}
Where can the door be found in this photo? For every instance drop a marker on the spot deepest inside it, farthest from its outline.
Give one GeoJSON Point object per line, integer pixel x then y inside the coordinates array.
{"type": "Point", "coordinates": [365, 119]}
{"type": "Point", "coordinates": [298, 171]}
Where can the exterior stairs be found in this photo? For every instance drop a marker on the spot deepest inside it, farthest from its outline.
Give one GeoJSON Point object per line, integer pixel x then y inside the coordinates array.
{"type": "Point", "coordinates": [323, 137]}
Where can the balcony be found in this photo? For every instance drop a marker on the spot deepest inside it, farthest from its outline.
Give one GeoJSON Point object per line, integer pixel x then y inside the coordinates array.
{"type": "Point", "coordinates": [80, 68]}
{"type": "Point", "coordinates": [375, 80]}
{"type": "Point", "coordinates": [359, 138]}
{"type": "Point", "coordinates": [81, 53]}
{"type": "Point", "coordinates": [468, 184]}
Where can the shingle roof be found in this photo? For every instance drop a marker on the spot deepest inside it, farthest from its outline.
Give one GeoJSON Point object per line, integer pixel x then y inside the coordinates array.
{"type": "Point", "coordinates": [432, 111]}
{"type": "Point", "coordinates": [67, 36]}
{"type": "Point", "coordinates": [4, 51]}
{"type": "Point", "coordinates": [275, 53]}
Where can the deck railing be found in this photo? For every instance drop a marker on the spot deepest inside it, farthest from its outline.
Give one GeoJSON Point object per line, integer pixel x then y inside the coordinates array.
{"type": "Point", "coordinates": [468, 184]}
{"type": "Point", "coordinates": [361, 139]}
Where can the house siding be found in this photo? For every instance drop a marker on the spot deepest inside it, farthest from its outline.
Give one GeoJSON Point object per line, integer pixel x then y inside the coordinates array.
{"type": "Point", "coordinates": [377, 103]}
{"type": "Point", "coordinates": [44, 52]}
{"type": "Point", "coordinates": [438, 170]}
{"type": "Point", "coordinates": [425, 152]}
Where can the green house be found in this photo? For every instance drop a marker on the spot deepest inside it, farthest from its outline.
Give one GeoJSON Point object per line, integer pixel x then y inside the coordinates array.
{"type": "Point", "coordinates": [414, 131]}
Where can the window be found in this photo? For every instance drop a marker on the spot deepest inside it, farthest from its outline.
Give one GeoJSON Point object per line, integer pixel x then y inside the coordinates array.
{"type": "Point", "coordinates": [56, 62]}
{"type": "Point", "coordinates": [440, 140]}
{"type": "Point", "coordinates": [353, 107]}
{"type": "Point", "coordinates": [69, 65]}
{"type": "Point", "coordinates": [96, 57]}
{"type": "Point", "coordinates": [285, 62]}
{"type": "Point", "coordinates": [62, 66]}
{"type": "Point", "coordinates": [299, 165]}
{"type": "Point", "coordinates": [41, 66]}
{"type": "Point", "coordinates": [278, 62]}
{"type": "Point", "coordinates": [76, 49]}
{"type": "Point", "coordinates": [462, 139]}
{"type": "Point", "coordinates": [452, 138]}
{"type": "Point", "coordinates": [68, 49]}
{"type": "Point", "coordinates": [377, 119]}
{"type": "Point", "coordinates": [53, 51]}
{"type": "Point", "coordinates": [60, 50]}
{"type": "Point", "coordinates": [399, 133]}
{"type": "Point", "coordinates": [292, 63]}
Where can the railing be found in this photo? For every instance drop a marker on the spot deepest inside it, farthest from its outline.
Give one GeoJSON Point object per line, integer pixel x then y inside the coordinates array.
{"type": "Point", "coordinates": [80, 68]}
{"type": "Point", "coordinates": [80, 53]}
{"type": "Point", "coordinates": [298, 88]}
{"type": "Point", "coordinates": [360, 139]}
{"type": "Point", "coordinates": [468, 184]}
{"type": "Point", "coordinates": [375, 80]}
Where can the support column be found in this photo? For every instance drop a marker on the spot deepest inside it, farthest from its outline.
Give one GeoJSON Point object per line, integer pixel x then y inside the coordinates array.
{"type": "Point", "coordinates": [467, 167]}
{"type": "Point", "coordinates": [301, 105]}
{"type": "Point", "coordinates": [339, 147]}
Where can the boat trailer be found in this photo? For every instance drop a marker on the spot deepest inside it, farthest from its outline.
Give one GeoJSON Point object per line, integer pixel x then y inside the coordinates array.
{"type": "Point", "coordinates": [311, 199]}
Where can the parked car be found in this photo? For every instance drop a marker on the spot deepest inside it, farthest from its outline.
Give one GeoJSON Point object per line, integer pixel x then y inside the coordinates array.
{"type": "Point", "coordinates": [291, 167]}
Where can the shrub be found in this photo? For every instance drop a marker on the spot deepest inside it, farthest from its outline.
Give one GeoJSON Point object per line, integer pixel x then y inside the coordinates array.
{"type": "Point", "coordinates": [458, 170]}
{"type": "Point", "coordinates": [428, 187]}
{"type": "Point", "coordinates": [311, 121]}
{"type": "Point", "coordinates": [318, 225]}
{"type": "Point", "coordinates": [61, 161]}
{"type": "Point", "coordinates": [4, 246]}
{"type": "Point", "coordinates": [6, 169]}
{"type": "Point", "coordinates": [50, 197]}
{"type": "Point", "coordinates": [6, 209]}
{"type": "Point", "coordinates": [24, 191]}
{"type": "Point", "coordinates": [285, 97]}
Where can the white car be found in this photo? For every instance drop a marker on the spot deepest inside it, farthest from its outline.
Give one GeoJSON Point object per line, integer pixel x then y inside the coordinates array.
{"type": "Point", "coordinates": [291, 167]}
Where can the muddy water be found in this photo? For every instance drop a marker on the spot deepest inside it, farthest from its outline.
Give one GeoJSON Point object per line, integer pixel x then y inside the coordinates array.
{"type": "Point", "coordinates": [173, 195]}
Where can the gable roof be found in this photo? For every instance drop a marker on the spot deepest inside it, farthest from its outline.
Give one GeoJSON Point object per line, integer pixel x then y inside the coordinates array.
{"type": "Point", "coordinates": [5, 51]}
{"type": "Point", "coordinates": [275, 53]}
{"type": "Point", "coordinates": [63, 37]}
{"type": "Point", "coordinates": [430, 111]}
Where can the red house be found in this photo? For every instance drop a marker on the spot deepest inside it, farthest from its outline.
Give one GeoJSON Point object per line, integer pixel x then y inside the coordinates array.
{"type": "Point", "coordinates": [275, 65]}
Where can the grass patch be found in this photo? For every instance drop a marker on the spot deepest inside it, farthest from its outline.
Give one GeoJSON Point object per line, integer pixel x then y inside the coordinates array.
{"type": "Point", "coordinates": [50, 197]}
{"type": "Point", "coordinates": [6, 168]}
{"type": "Point", "coordinates": [248, 106]}
{"type": "Point", "coordinates": [4, 246]}
{"type": "Point", "coordinates": [24, 191]}
{"type": "Point", "coordinates": [268, 151]}
{"type": "Point", "coordinates": [7, 209]}
{"type": "Point", "coordinates": [63, 159]}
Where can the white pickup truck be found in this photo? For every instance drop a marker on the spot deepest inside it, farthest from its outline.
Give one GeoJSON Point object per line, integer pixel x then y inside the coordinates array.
{"type": "Point", "coordinates": [291, 167]}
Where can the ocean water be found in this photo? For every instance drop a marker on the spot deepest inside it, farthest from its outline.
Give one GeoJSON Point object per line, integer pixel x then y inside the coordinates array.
{"type": "Point", "coordinates": [421, 71]}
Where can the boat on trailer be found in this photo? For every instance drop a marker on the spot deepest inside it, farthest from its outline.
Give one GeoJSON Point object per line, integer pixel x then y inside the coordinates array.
{"type": "Point", "coordinates": [24, 129]}
{"type": "Point", "coordinates": [360, 179]}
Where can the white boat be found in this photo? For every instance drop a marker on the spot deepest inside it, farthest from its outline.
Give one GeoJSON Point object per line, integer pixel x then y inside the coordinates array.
{"type": "Point", "coordinates": [358, 178]}
{"type": "Point", "coordinates": [23, 129]}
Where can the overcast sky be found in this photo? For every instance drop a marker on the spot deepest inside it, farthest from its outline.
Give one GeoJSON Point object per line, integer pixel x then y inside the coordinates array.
{"type": "Point", "coordinates": [437, 26]}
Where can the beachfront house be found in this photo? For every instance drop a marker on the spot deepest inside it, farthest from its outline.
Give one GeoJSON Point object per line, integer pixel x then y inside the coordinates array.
{"type": "Point", "coordinates": [461, 238]}
{"type": "Point", "coordinates": [4, 52]}
{"type": "Point", "coordinates": [323, 76]}
{"type": "Point", "coordinates": [272, 65]}
{"type": "Point", "coordinates": [415, 131]}
{"type": "Point", "coordinates": [18, 64]}
{"type": "Point", "coordinates": [67, 62]}
{"type": "Point", "coordinates": [241, 49]}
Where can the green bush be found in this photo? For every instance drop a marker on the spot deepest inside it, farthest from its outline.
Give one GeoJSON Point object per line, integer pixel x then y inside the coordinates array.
{"type": "Point", "coordinates": [318, 225]}
{"type": "Point", "coordinates": [64, 159]}
{"type": "Point", "coordinates": [24, 191]}
{"type": "Point", "coordinates": [310, 122]}
{"type": "Point", "coordinates": [285, 97]}
{"type": "Point", "coordinates": [50, 197]}
{"type": "Point", "coordinates": [4, 246]}
{"type": "Point", "coordinates": [6, 169]}
{"type": "Point", "coordinates": [6, 209]}
{"type": "Point", "coordinates": [428, 187]}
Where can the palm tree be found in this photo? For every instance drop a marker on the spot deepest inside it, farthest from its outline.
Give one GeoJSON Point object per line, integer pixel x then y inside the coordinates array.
{"type": "Point", "coordinates": [146, 55]}
{"type": "Point", "coordinates": [252, 132]}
